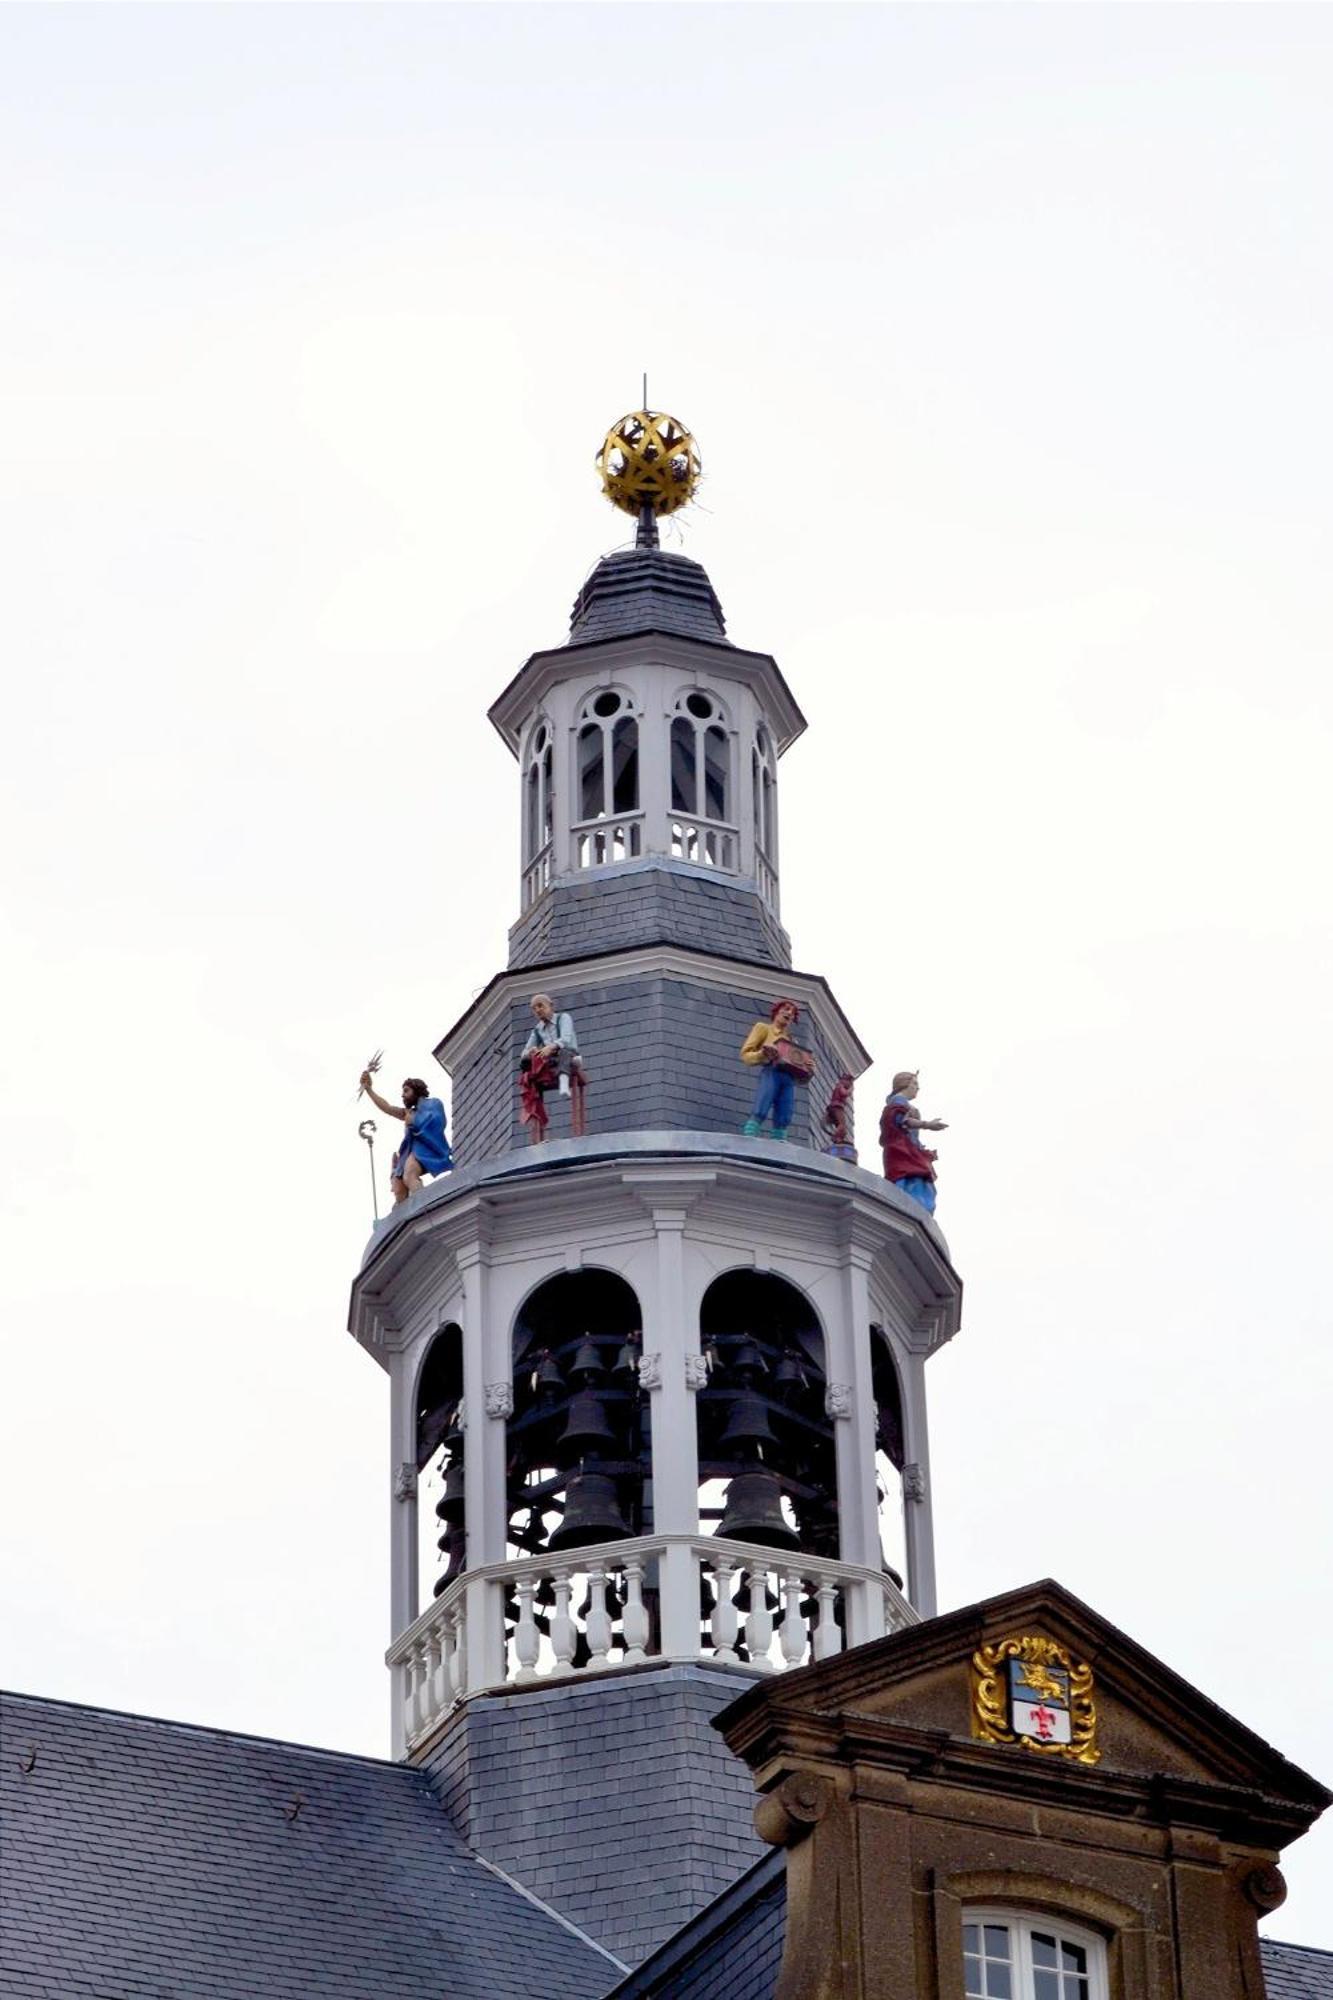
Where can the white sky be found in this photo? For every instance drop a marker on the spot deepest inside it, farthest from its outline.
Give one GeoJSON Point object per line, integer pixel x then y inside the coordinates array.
{"type": "Point", "coordinates": [1005, 333]}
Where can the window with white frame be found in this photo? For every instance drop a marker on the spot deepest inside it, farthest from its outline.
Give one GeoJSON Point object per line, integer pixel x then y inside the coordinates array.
{"type": "Point", "coordinates": [700, 758]}
{"type": "Point", "coordinates": [1007, 1956]}
{"type": "Point", "coordinates": [607, 748]}
{"type": "Point", "coordinates": [765, 795]}
{"type": "Point", "coordinates": [537, 792]}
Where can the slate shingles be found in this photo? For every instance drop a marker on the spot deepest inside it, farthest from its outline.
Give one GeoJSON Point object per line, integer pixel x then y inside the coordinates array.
{"type": "Point", "coordinates": [146, 1860]}
{"type": "Point", "coordinates": [615, 1802]}
{"type": "Point", "coordinates": [1295, 1971]}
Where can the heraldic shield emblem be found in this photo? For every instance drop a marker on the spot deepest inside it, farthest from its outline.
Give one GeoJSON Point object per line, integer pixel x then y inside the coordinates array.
{"type": "Point", "coordinates": [1028, 1691]}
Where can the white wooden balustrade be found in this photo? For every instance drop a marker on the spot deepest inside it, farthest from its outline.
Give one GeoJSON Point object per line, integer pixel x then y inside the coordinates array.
{"type": "Point", "coordinates": [621, 1603]}
{"type": "Point", "coordinates": [707, 842]}
{"type": "Point", "coordinates": [537, 876]}
{"type": "Point", "coordinates": [598, 841]}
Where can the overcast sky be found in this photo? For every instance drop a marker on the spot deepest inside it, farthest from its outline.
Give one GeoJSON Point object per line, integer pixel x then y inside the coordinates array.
{"type": "Point", "coordinates": [1005, 333]}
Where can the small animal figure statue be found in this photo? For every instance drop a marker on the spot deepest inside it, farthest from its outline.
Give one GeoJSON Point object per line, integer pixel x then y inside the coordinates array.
{"type": "Point", "coordinates": [907, 1164]}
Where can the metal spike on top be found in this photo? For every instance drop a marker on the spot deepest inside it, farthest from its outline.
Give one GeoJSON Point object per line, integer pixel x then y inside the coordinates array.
{"type": "Point", "coordinates": [649, 465]}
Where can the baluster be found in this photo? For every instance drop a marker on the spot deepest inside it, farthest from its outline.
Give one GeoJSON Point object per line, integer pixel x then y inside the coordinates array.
{"type": "Point", "coordinates": [828, 1634]}
{"type": "Point", "coordinates": [421, 1680]}
{"type": "Point", "coordinates": [726, 1618]}
{"type": "Point", "coordinates": [439, 1660]}
{"type": "Point", "coordinates": [634, 1618]}
{"type": "Point", "coordinates": [563, 1636]}
{"type": "Point", "coordinates": [458, 1646]}
{"type": "Point", "coordinates": [409, 1695]}
{"type": "Point", "coordinates": [598, 1623]}
{"type": "Point", "coordinates": [527, 1639]}
{"type": "Point", "coordinates": [791, 1633]}
{"type": "Point", "coordinates": [448, 1661]}
{"type": "Point", "coordinates": [759, 1622]}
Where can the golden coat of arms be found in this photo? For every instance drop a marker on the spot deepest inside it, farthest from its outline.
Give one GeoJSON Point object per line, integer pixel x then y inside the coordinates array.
{"type": "Point", "coordinates": [1028, 1690]}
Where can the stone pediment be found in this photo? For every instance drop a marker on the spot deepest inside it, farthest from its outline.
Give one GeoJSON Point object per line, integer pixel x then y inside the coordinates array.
{"type": "Point", "coordinates": [931, 1703]}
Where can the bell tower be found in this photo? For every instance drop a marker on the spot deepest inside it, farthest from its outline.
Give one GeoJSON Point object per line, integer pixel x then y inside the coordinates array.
{"type": "Point", "coordinates": [658, 1410]}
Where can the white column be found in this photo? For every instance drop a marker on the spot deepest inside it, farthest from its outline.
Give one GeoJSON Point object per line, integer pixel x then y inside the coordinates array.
{"type": "Point", "coordinates": [403, 1564]}
{"type": "Point", "coordinates": [404, 1567]}
{"type": "Point", "coordinates": [654, 762]}
{"type": "Point", "coordinates": [669, 1337]}
{"type": "Point", "coordinates": [483, 1472]}
{"type": "Point", "coordinates": [918, 1517]}
{"type": "Point", "coordinates": [854, 1439]}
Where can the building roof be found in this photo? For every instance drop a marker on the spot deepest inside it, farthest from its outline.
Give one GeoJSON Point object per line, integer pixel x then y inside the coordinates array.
{"type": "Point", "coordinates": [1296, 1971]}
{"type": "Point", "coordinates": [647, 590]}
{"type": "Point", "coordinates": [153, 1860]}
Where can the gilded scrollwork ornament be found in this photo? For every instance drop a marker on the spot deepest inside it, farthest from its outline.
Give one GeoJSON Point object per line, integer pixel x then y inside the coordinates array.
{"type": "Point", "coordinates": [1029, 1691]}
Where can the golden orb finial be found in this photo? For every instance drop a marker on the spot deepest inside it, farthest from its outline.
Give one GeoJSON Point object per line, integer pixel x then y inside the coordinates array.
{"type": "Point", "coordinates": [649, 464]}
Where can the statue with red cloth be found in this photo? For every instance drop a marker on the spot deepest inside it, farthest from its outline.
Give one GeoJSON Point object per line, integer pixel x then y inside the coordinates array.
{"type": "Point", "coordinates": [907, 1164]}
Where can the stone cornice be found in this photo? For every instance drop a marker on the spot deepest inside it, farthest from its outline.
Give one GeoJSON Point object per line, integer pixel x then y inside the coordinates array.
{"type": "Point", "coordinates": [600, 1173]}
{"type": "Point", "coordinates": [794, 1740]}
{"type": "Point", "coordinates": [670, 961]}
{"type": "Point", "coordinates": [713, 659]}
{"type": "Point", "coordinates": [818, 1713]}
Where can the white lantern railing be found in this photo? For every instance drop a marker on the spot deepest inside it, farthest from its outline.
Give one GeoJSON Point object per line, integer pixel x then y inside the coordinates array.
{"type": "Point", "coordinates": [537, 876]}
{"type": "Point", "coordinates": [598, 841]}
{"type": "Point", "coordinates": [707, 842]}
{"type": "Point", "coordinates": [622, 1603]}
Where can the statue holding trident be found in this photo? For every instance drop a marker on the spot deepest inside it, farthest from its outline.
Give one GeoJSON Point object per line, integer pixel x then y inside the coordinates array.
{"type": "Point", "coordinates": [907, 1164]}
{"type": "Point", "coordinates": [424, 1150]}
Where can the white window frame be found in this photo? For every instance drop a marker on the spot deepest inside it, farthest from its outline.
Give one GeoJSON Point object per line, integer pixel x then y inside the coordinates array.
{"type": "Point", "coordinates": [1022, 1923]}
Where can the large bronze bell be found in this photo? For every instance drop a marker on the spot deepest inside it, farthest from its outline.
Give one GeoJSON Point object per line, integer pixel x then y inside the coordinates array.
{"type": "Point", "coordinates": [587, 1360]}
{"type": "Point", "coordinates": [586, 1428]}
{"type": "Point", "coordinates": [753, 1512]}
{"type": "Point", "coordinates": [592, 1512]}
{"type": "Point", "coordinates": [449, 1507]}
{"type": "Point", "coordinates": [747, 1423]}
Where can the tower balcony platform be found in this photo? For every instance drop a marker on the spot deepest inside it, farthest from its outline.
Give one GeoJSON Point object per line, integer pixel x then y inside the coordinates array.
{"type": "Point", "coordinates": [655, 1600]}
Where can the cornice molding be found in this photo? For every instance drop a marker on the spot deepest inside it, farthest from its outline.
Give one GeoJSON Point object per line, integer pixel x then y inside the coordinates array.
{"type": "Point", "coordinates": [712, 659]}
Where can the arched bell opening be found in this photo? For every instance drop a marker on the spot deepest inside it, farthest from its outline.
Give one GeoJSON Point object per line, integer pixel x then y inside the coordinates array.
{"type": "Point", "coordinates": [439, 1444]}
{"type": "Point", "coordinates": [767, 1463]}
{"type": "Point", "coordinates": [890, 1453]}
{"type": "Point", "coordinates": [578, 1446]}
{"type": "Point", "coordinates": [578, 1456]}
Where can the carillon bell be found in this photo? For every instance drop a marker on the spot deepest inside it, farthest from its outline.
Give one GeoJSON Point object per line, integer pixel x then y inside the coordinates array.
{"type": "Point", "coordinates": [748, 1358]}
{"type": "Point", "coordinates": [626, 1362]}
{"type": "Point", "coordinates": [747, 1423]}
{"type": "Point", "coordinates": [592, 1512]}
{"type": "Point", "coordinates": [449, 1507]}
{"type": "Point", "coordinates": [753, 1512]}
{"type": "Point", "coordinates": [587, 1359]}
{"type": "Point", "coordinates": [547, 1379]}
{"type": "Point", "coordinates": [789, 1376]}
{"type": "Point", "coordinates": [453, 1547]}
{"type": "Point", "coordinates": [587, 1428]}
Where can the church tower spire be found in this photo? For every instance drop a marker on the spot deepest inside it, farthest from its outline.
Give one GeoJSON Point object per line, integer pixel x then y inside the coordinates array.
{"type": "Point", "coordinates": [656, 1349]}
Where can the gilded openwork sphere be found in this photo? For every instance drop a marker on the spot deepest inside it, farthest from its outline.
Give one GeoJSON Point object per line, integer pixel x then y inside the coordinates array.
{"type": "Point", "coordinates": [648, 459]}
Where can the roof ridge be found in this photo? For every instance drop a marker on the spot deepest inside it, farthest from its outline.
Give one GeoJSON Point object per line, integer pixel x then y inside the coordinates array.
{"type": "Point", "coordinates": [203, 1729]}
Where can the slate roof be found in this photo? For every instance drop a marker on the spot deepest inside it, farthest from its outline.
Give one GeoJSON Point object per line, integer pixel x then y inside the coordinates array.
{"type": "Point", "coordinates": [1296, 1971]}
{"type": "Point", "coordinates": [647, 590]}
{"type": "Point", "coordinates": [146, 1860]}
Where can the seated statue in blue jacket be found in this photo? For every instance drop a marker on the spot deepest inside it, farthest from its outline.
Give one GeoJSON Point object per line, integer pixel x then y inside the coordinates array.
{"type": "Point", "coordinates": [424, 1150]}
